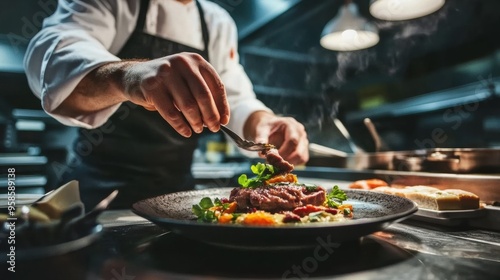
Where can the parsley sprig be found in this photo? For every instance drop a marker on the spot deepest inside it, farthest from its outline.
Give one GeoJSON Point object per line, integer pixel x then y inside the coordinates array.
{"type": "Point", "coordinates": [205, 210]}
{"type": "Point", "coordinates": [263, 172]}
{"type": "Point", "coordinates": [335, 197]}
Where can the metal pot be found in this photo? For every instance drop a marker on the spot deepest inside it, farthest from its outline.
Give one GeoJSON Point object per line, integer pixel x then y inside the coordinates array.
{"type": "Point", "coordinates": [442, 160]}
{"type": "Point", "coordinates": [451, 160]}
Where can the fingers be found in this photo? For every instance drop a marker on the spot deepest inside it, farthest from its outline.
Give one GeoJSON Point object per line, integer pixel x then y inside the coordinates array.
{"type": "Point", "coordinates": [186, 91]}
{"type": "Point", "coordinates": [206, 93]}
{"type": "Point", "coordinates": [291, 140]}
{"type": "Point", "coordinates": [301, 153]}
{"type": "Point", "coordinates": [165, 106]}
{"type": "Point", "coordinates": [203, 97]}
{"type": "Point", "coordinates": [262, 134]}
{"type": "Point", "coordinates": [218, 91]}
{"type": "Point", "coordinates": [185, 102]}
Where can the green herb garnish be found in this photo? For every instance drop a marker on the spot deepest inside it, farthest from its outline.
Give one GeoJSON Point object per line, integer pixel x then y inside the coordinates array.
{"type": "Point", "coordinates": [203, 212]}
{"type": "Point", "coordinates": [315, 216]}
{"type": "Point", "coordinates": [335, 197]}
{"type": "Point", "coordinates": [218, 202]}
{"type": "Point", "coordinates": [263, 172]}
{"type": "Point", "coordinates": [311, 188]}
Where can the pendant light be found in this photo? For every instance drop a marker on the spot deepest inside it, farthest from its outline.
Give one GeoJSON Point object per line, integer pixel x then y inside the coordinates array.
{"type": "Point", "coordinates": [348, 31]}
{"type": "Point", "coordinates": [403, 9]}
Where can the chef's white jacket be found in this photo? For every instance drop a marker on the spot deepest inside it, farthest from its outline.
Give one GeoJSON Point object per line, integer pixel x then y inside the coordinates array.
{"type": "Point", "coordinates": [84, 34]}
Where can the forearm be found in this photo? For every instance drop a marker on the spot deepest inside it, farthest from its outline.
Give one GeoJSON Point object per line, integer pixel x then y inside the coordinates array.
{"type": "Point", "coordinates": [101, 88]}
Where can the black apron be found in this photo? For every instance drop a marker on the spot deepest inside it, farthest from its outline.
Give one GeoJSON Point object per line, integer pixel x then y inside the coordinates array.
{"type": "Point", "coordinates": [136, 151]}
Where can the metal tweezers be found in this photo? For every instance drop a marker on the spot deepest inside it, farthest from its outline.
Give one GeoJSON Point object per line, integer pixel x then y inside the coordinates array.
{"type": "Point", "coordinates": [246, 144]}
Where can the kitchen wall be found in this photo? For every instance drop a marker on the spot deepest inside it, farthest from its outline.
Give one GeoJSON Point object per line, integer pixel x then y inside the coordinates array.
{"type": "Point", "coordinates": [443, 62]}
{"type": "Point", "coordinates": [30, 140]}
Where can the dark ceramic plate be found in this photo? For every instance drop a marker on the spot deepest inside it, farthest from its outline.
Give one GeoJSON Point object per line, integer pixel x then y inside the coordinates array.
{"type": "Point", "coordinates": [372, 211]}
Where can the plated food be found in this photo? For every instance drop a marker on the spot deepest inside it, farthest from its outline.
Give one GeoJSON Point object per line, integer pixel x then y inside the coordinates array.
{"type": "Point", "coordinates": [427, 197]}
{"type": "Point", "coordinates": [274, 196]}
{"type": "Point", "coordinates": [174, 211]}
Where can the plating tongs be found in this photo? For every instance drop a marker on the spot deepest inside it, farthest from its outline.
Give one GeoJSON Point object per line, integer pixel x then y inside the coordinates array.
{"type": "Point", "coordinates": [246, 144]}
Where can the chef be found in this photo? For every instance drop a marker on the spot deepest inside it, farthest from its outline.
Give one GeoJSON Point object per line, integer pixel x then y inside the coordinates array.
{"type": "Point", "coordinates": [141, 80]}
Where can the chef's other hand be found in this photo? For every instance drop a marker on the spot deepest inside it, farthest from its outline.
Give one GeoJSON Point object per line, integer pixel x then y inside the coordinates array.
{"type": "Point", "coordinates": [288, 135]}
{"type": "Point", "coordinates": [184, 88]}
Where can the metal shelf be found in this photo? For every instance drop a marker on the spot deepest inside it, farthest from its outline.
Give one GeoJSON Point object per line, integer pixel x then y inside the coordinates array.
{"type": "Point", "coordinates": [468, 94]}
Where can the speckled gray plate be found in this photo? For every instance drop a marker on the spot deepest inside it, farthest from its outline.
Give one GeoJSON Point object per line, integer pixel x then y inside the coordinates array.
{"type": "Point", "coordinates": [372, 211]}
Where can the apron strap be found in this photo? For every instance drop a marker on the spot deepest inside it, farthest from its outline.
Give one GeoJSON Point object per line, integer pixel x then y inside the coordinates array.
{"type": "Point", "coordinates": [143, 10]}
{"type": "Point", "coordinates": [204, 28]}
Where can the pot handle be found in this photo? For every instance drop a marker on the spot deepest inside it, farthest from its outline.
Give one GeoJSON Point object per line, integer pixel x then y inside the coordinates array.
{"type": "Point", "coordinates": [437, 156]}
{"type": "Point", "coordinates": [326, 151]}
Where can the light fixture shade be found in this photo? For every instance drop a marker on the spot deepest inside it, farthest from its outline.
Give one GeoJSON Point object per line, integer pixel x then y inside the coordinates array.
{"type": "Point", "coordinates": [394, 10]}
{"type": "Point", "coordinates": [348, 31]}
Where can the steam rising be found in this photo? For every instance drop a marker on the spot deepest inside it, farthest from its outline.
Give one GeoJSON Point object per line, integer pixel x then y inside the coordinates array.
{"type": "Point", "coordinates": [406, 39]}
{"type": "Point", "coordinates": [359, 60]}
{"type": "Point", "coordinates": [391, 58]}
{"type": "Point", "coordinates": [398, 48]}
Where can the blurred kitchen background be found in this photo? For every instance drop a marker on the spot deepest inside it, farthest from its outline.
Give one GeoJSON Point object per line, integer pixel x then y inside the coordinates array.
{"type": "Point", "coordinates": [429, 82]}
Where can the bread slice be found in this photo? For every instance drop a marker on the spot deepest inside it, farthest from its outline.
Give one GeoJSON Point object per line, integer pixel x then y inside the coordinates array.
{"type": "Point", "coordinates": [426, 197]}
{"type": "Point", "coordinates": [439, 200]}
{"type": "Point", "coordinates": [420, 188]}
{"type": "Point", "coordinates": [390, 190]}
{"type": "Point", "coordinates": [467, 199]}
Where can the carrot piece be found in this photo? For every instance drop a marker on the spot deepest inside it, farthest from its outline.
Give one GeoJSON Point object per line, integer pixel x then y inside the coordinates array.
{"type": "Point", "coordinates": [292, 178]}
{"type": "Point", "coordinates": [232, 207]}
{"type": "Point", "coordinates": [344, 206]}
{"type": "Point", "coordinates": [225, 218]}
{"type": "Point", "coordinates": [259, 218]}
{"type": "Point", "coordinates": [368, 184]}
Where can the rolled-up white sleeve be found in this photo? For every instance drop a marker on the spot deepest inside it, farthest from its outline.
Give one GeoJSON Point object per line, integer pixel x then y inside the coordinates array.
{"type": "Point", "coordinates": [73, 41]}
{"type": "Point", "coordinates": [224, 57]}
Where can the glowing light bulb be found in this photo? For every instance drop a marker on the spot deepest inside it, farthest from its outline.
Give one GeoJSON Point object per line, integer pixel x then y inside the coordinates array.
{"type": "Point", "coordinates": [349, 34]}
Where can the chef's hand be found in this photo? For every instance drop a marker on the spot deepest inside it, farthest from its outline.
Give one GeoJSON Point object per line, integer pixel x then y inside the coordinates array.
{"type": "Point", "coordinates": [288, 135]}
{"type": "Point", "coordinates": [184, 88]}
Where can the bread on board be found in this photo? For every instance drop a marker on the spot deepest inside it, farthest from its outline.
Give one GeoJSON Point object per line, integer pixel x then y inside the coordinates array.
{"type": "Point", "coordinates": [432, 198]}
{"type": "Point", "coordinates": [468, 200]}
{"type": "Point", "coordinates": [435, 200]}
{"type": "Point", "coordinates": [390, 190]}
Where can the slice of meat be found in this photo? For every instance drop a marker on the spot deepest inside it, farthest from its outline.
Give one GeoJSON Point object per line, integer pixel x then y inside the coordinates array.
{"type": "Point", "coordinates": [278, 197]}
{"type": "Point", "coordinates": [308, 209]}
{"type": "Point", "coordinates": [290, 217]}
{"type": "Point", "coordinates": [274, 159]}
